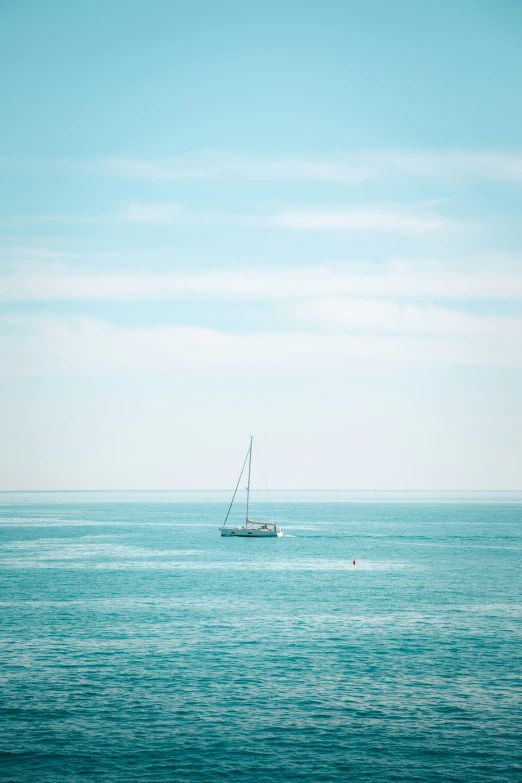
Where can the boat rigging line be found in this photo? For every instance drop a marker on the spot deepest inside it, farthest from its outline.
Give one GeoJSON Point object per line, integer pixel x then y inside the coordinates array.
{"type": "Point", "coordinates": [237, 486]}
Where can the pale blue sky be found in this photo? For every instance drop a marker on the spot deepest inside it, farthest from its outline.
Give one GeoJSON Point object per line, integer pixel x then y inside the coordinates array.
{"type": "Point", "coordinates": [296, 219]}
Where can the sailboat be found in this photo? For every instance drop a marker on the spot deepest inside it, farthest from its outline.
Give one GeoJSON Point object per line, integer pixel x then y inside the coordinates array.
{"type": "Point", "coordinates": [250, 529]}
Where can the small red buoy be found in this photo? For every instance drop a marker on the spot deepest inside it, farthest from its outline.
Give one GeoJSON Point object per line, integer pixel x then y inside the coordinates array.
{"type": "Point", "coordinates": [354, 562]}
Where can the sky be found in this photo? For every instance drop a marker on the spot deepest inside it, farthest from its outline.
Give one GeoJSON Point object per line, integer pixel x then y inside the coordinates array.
{"type": "Point", "coordinates": [297, 220]}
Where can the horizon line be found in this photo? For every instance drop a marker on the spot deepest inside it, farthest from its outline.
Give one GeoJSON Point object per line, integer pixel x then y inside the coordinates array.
{"type": "Point", "coordinates": [315, 489]}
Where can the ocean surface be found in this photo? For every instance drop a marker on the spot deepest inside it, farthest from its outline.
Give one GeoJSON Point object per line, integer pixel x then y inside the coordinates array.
{"type": "Point", "coordinates": [139, 645]}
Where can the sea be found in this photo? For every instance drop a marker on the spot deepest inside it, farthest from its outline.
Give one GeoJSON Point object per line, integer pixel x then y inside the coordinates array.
{"type": "Point", "coordinates": [137, 644]}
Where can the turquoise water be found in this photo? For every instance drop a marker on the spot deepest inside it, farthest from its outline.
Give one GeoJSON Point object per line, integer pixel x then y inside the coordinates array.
{"type": "Point", "coordinates": [139, 645]}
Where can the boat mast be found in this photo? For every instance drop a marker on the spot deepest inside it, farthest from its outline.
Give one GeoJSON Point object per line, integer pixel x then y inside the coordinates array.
{"type": "Point", "coordinates": [249, 466]}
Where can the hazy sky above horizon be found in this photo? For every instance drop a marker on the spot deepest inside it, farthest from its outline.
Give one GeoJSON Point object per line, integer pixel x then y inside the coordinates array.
{"type": "Point", "coordinates": [299, 220]}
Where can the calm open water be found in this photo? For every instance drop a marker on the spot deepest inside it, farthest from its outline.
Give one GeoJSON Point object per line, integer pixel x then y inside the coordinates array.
{"type": "Point", "coordinates": [139, 645]}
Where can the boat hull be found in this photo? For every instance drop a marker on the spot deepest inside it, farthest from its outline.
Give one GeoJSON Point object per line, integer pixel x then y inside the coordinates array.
{"type": "Point", "coordinates": [243, 532]}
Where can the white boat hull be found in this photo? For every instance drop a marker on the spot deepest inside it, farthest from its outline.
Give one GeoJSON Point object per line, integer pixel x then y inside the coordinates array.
{"type": "Point", "coordinates": [244, 532]}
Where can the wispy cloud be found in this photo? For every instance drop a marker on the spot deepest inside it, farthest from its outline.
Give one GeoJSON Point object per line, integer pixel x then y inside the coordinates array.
{"type": "Point", "coordinates": [352, 167]}
{"type": "Point", "coordinates": [386, 220]}
{"type": "Point", "coordinates": [70, 284]}
{"type": "Point", "coordinates": [223, 165]}
{"type": "Point", "coordinates": [81, 346]}
{"type": "Point", "coordinates": [226, 166]}
{"type": "Point", "coordinates": [407, 220]}
{"type": "Point", "coordinates": [397, 318]}
{"type": "Point", "coordinates": [142, 212]}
